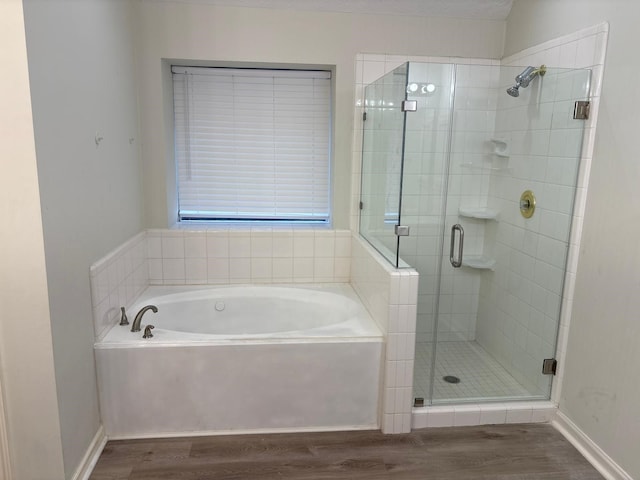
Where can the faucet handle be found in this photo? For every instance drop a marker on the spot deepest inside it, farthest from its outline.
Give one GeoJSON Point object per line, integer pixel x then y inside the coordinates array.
{"type": "Point", "coordinates": [123, 318]}
{"type": "Point", "coordinates": [147, 331]}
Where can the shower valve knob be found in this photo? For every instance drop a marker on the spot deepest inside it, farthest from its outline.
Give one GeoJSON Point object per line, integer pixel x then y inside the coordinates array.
{"type": "Point", "coordinates": [123, 317]}
{"type": "Point", "coordinates": [147, 331]}
{"type": "Point", "coordinates": [527, 204]}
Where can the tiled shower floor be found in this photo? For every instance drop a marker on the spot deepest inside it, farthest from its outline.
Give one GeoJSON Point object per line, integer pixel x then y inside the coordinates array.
{"type": "Point", "coordinates": [481, 377]}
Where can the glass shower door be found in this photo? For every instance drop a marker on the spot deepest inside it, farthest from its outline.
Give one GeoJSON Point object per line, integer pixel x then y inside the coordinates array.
{"type": "Point", "coordinates": [382, 153]}
{"type": "Point", "coordinates": [491, 275]}
{"type": "Point", "coordinates": [426, 163]}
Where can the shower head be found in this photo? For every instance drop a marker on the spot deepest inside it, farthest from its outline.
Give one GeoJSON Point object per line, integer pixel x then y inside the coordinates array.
{"type": "Point", "coordinates": [524, 79]}
{"type": "Point", "coordinates": [514, 91]}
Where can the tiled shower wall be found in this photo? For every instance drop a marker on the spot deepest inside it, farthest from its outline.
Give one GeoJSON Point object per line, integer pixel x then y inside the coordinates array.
{"type": "Point", "coordinates": [468, 184]}
{"type": "Point", "coordinates": [520, 302]}
{"type": "Point", "coordinates": [517, 320]}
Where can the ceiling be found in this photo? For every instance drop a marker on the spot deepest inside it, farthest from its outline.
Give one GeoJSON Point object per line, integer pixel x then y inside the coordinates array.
{"type": "Point", "coordinates": [482, 9]}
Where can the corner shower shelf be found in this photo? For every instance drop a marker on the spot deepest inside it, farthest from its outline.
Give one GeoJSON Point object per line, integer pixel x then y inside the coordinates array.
{"type": "Point", "coordinates": [473, 166]}
{"type": "Point", "coordinates": [479, 262]}
{"type": "Point", "coordinates": [481, 213]}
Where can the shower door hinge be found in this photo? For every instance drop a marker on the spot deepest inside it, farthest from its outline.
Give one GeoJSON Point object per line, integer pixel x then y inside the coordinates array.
{"type": "Point", "coordinates": [581, 110]}
{"type": "Point", "coordinates": [402, 230]}
{"type": "Point", "coordinates": [361, 205]}
{"type": "Point", "coordinates": [364, 116]}
{"type": "Point", "coordinates": [409, 105]}
{"type": "Point", "coordinates": [549, 366]}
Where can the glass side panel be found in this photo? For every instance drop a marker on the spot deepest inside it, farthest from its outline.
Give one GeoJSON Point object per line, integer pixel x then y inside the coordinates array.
{"type": "Point", "coordinates": [498, 315]}
{"type": "Point", "coordinates": [382, 148]}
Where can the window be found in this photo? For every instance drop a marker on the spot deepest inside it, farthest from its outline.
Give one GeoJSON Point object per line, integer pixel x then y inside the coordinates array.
{"type": "Point", "coordinates": [252, 144]}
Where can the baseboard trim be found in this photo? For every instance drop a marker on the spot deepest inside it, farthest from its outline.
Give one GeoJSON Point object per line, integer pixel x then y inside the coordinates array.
{"type": "Point", "coordinates": [83, 472]}
{"type": "Point", "coordinates": [589, 449]}
{"type": "Point", "coordinates": [260, 431]}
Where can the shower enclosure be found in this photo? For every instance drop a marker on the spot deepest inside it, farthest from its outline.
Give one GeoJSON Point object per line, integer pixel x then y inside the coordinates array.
{"type": "Point", "coordinates": [474, 188]}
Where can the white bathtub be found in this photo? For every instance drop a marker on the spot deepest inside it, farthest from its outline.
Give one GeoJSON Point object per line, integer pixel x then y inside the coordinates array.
{"type": "Point", "coordinates": [248, 358]}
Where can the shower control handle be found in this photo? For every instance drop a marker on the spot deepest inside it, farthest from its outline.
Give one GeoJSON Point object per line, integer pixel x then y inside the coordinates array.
{"type": "Point", "coordinates": [147, 331]}
{"type": "Point", "coordinates": [456, 263]}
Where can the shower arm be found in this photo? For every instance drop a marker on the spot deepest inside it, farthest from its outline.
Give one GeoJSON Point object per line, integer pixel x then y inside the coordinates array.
{"type": "Point", "coordinates": [524, 79]}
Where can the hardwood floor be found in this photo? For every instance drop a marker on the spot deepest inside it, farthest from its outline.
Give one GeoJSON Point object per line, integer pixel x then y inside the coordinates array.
{"type": "Point", "coordinates": [496, 452]}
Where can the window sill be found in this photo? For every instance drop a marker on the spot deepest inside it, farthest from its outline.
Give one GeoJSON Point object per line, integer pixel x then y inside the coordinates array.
{"type": "Point", "coordinates": [249, 226]}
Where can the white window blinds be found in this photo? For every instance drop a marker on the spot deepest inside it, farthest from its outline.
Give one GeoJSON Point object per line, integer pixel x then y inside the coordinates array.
{"type": "Point", "coordinates": [252, 144]}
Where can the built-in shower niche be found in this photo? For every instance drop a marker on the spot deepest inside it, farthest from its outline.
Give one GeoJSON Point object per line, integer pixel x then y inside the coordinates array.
{"type": "Point", "coordinates": [456, 162]}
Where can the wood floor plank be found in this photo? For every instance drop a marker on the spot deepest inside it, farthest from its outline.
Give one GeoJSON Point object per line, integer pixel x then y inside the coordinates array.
{"type": "Point", "coordinates": [228, 448]}
{"type": "Point", "coordinates": [359, 469]}
{"type": "Point", "coordinates": [119, 457]}
{"type": "Point", "coordinates": [497, 452]}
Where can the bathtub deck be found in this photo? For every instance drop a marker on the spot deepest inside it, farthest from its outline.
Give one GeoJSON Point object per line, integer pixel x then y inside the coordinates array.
{"type": "Point", "coordinates": [505, 452]}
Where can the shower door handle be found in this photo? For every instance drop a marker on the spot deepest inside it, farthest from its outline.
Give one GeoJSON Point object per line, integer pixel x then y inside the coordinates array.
{"type": "Point", "coordinates": [456, 263]}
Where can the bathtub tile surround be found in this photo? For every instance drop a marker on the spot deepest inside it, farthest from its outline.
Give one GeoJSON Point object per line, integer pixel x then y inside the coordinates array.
{"type": "Point", "coordinates": [222, 257]}
{"type": "Point", "coordinates": [184, 256]}
{"type": "Point", "coordinates": [391, 297]}
{"type": "Point", "coordinates": [117, 280]}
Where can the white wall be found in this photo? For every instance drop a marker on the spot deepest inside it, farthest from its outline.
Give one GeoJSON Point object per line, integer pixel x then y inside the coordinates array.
{"type": "Point", "coordinates": [205, 32]}
{"type": "Point", "coordinates": [81, 71]}
{"type": "Point", "coordinates": [26, 357]}
{"type": "Point", "coordinates": [603, 357]}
